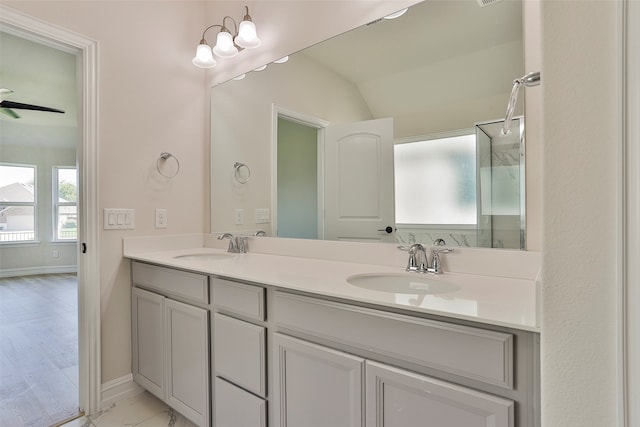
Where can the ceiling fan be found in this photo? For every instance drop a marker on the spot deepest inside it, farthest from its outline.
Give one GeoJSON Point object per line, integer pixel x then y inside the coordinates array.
{"type": "Point", "coordinates": [7, 107]}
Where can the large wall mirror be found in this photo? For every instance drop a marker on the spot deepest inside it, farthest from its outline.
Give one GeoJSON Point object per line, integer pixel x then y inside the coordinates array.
{"type": "Point", "coordinates": [387, 133]}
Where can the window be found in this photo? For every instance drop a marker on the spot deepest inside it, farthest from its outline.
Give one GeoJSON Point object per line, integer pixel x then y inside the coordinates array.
{"type": "Point", "coordinates": [65, 208]}
{"type": "Point", "coordinates": [435, 181]}
{"type": "Point", "coordinates": [17, 203]}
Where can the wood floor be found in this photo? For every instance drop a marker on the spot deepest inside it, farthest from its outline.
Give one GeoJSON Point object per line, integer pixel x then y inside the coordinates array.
{"type": "Point", "coordinates": [38, 350]}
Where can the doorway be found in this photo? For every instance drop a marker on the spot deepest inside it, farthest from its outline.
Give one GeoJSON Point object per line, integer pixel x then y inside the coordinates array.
{"type": "Point", "coordinates": [87, 223]}
{"type": "Point", "coordinates": [38, 233]}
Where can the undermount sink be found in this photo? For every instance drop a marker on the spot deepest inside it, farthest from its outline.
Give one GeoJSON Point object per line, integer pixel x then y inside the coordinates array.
{"type": "Point", "coordinates": [207, 256]}
{"type": "Point", "coordinates": [402, 283]}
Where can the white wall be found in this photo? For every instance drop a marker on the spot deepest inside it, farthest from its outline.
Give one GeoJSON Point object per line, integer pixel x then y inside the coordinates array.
{"type": "Point", "coordinates": [581, 139]}
{"type": "Point", "coordinates": [151, 99]}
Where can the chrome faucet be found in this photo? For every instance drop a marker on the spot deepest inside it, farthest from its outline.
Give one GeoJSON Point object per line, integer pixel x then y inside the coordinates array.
{"type": "Point", "coordinates": [237, 244]}
{"type": "Point", "coordinates": [418, 261]}
{"type": "Point", "coordinates": [417, 258]}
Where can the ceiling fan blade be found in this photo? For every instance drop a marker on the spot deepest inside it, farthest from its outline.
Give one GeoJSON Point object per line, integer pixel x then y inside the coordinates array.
{"type": "Point", "coordinates": [9, 113]}
{"type": "Point", "coordinates": [20, 106]}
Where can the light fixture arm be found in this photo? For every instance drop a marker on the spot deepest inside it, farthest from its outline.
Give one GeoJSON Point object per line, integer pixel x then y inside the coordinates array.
{"type": "Point", "coordinates": [207, 29]}
{"type": "Point", "coordinates": [235, 25]}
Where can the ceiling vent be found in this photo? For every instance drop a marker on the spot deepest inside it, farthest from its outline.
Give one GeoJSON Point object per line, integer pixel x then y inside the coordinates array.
{"type": "Point", "coordinates": [484, 3]}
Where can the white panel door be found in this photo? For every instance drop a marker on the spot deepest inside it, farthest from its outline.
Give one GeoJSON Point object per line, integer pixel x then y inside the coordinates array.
{"type": "Point", "coordinates": [187, 358]}
{"type": "Point", "coordinates": [148, 340]}
{"type": "Point", "coordinates": [315, 386]}
{"type": "Point", "coordinates": [359, 188]}
{"type": "Point", "coordinates": [399, 398]}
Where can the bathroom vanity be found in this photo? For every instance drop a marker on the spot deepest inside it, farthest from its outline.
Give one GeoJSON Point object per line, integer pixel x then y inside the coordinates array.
{"type": "Point", "coordinates": [269, 340]}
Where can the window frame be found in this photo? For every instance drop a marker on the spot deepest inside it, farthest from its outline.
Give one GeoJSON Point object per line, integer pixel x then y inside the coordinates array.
{"type": "Point", "coordinates": [56, 204]}
{"type": "Point", "coordinates": [33, 204]}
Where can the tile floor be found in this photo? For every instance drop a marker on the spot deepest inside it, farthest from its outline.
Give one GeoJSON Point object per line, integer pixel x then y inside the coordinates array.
{"type": "Point", "coordinates": [142, 410]}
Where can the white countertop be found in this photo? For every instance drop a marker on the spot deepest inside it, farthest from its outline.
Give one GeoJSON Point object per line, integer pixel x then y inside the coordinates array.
{"type": "Point", "coordinates": [502, 301]}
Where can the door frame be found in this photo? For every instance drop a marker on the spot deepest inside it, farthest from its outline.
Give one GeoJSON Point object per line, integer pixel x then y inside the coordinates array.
{"type": "Point", "coordinates": [319, 124]}
{"type": "Point", "coordinates": [86, 53]}
{"type": "Point", "coordinates": [629, 219]}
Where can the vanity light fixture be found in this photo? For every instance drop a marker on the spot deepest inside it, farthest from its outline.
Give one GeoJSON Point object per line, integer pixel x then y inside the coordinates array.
{"type": "Point", "coordinates": [227, 45]}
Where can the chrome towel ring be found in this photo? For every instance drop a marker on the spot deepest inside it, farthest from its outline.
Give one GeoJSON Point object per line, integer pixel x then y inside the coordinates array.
{"type": "Point", "coordinates": [162, 161]}
{"type": "Point", "coordinates": [241, 172]}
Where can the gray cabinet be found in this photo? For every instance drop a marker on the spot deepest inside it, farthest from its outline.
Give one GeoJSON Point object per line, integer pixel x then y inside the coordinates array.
{"type": "Point", "coordinates": [171, 340]}
{"type": "Point", "coordinates": [399, 398]}
{"type": "Point", "coordinates": [413, 371]}
{"type": "Point", "coordinates": [315, 386]}
{"type": "Point", "coordinates": [239, 356]}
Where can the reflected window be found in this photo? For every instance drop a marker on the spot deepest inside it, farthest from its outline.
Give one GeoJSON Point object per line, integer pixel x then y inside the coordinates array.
{"type": "Point", "coordinates": [435, 181]}
{"type": "Point", "coordinates": [65, 206]}
{"type": "Point", "coordinates": [17, 203]}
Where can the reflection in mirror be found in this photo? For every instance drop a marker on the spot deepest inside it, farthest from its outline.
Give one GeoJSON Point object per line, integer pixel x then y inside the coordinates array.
{"type": "Point", "coordinates": [454, 70]}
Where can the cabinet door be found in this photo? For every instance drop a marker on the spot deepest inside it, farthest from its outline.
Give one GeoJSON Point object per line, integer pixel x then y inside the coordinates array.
{"type": "Point", "coordinates": [399, 398]}
{"type": "Point", "coordinates": [239, 352]}
{"type": "Point", "coordinates": [147, 316]}
{"type": "Point", "coordinates": [187, 356]}
{"type": "Point", "coordinates": [238, 408]}
{"type": "Point", "coordinates": [316, 386]}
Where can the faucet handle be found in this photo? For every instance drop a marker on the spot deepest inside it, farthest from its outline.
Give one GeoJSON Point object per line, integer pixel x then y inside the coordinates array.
{"type": "Point", "coordinates": [436, 265]}
{"type": "Point", "coordinates": [243, 244]}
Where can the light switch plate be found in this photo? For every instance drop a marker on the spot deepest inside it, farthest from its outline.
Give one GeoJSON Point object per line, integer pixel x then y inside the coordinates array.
{"type": "Point", "coordinates": [119, 219]}
{"type": "Point", "coordinates": [262, 216]}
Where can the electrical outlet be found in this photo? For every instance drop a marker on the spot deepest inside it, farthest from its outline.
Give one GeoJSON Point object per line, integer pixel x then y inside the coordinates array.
{"type": "Point", "coordinates": [56, 253]}
{"type": "Point", "coordinates": [239, 216]}
{"type": "Point", "coordinates": [161, 218]}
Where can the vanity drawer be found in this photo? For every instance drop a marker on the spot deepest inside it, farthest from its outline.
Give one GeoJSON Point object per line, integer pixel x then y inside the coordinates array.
{"type": "Point", "coordinates": [235, 407]}
{"type": "Point", "coordinates": [240, 353]}
{"type": "Point", "coordinates": [239, 298]}
{"type": "Point", "coordinates": [469, 352]}
{"type": "Point", "coordinates": [190, 286]}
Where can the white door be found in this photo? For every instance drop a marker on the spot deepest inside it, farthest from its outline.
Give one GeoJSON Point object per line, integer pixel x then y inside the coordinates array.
{"type": "Point", "coordinates": [399, 398]}
{"type": "Point", "coordinates": [315, 386]}
{"type": "Point", "coordinates": [359, 201]}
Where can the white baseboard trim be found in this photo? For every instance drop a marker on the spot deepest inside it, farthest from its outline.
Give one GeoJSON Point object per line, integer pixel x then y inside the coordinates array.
{"type": "Point", "coordinates": [117, 389]}
{"type": "Point", "coordinates": [45, 269]}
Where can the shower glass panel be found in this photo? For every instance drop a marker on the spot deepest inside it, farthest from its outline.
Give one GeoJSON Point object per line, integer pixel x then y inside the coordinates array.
{"type": "Point", "coordinates": [500, 185]}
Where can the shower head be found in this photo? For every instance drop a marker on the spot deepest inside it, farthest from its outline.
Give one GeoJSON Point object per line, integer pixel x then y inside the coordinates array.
{"type": "Point", "coordinates": [528, 80]}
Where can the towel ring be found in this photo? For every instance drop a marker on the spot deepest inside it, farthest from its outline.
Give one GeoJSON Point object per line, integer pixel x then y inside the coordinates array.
{"type": "Point", "coordinates": [164, 157]}
{"type": "Point", "coordinates": [238, 175]}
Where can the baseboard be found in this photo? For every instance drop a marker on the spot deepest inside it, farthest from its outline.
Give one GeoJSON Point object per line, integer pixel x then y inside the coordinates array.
{"type": "Point", "coordinates": [45, 269]}
{"type": "Point", "coordinates": [117, 389]}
